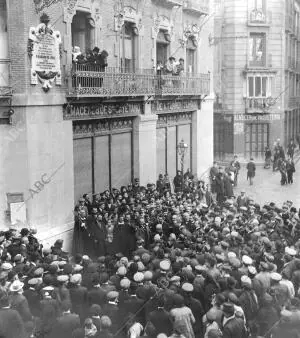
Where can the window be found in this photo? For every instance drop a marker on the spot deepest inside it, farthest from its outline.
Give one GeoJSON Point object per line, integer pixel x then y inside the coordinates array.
{"type": "Point", "coordinates": [82, 32]}
{"type": "Point", "coordinates": [128, 47]}
{"type": "Point", "coordinates": [162, 47]}
{"type": "Point", "coordinates": [4, 55]}
{"type": "Point", "coordinates": [257, 49]}
{"type": "Point", "coordinates": [259, 86]}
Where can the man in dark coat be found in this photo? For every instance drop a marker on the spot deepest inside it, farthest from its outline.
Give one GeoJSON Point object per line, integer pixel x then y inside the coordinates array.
{"type": "Point", "coordinates": [67, 323]}
{"type": "Point", "coordinates": [111, 309]}
{"type": "Point", "coordinates": [11, 324]}
{"type": "Point", "coordinates": [232, 327]}
{"type": "Point", "coordinates": [78, 296]}
{"type": "Point", "coordinates": [178, 181]}
{"type": "Point", "coordinates": [18, 301]}
{"type": "Point", "coordinates": [251, 170]}
{"type": "Point", "coordinates": [92, 226]}
{"type": "Point", "coordinates": [160, 318]}
{"type": "Point", "coordinates": [96, 295]}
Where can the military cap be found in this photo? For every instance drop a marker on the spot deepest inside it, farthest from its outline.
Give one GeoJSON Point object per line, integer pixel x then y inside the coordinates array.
{"type": "Point", "coordinates": [187, 287]}
{"type": "Point", "coordinates": [76, 279]}
{"type": "Point", "coordinates": [112, 295]}
{"type": "Point", "coordinates": [122, 271]}
{"type": "Point", "coordinates": [62, 278]}
{"type": "Point", "coordinates": [148, 275]}
{"type": "Point", "coordinates": [138, 277]}
{"type": "Point", "coordinates": [125, 283]}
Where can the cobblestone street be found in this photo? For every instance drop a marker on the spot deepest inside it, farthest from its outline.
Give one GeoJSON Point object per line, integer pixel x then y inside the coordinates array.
{"type": "Point", "coordinates": [267, 186]}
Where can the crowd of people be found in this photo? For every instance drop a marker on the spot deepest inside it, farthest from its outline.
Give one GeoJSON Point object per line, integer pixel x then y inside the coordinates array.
{"type": "Point", "coordinates": [150, 262]}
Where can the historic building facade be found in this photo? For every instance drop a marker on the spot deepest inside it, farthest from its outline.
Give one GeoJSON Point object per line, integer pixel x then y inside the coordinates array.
{"type": "Point", "coordinates": [256, 76]}
{"type": "Point", "coordinates": [69, 129]}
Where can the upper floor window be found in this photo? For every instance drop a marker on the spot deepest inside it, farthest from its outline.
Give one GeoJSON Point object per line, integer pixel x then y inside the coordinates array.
{"type": "Point", "coordinates": [259, 86]}
{"type": "Point", "coordinates": [257, 49]}
{"type": "Point", "coordinates": [162, 47]}
{"type": "Point", "coordinates": [258, 11]}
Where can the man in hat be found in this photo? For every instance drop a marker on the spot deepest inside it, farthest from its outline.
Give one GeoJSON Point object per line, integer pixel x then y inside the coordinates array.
{"type": "Point", "coordinates": [111, 309]}
{"type": "Point", "coordinates": [96, 295]}
{"type": "Point", "coordinates": [18, 301]}
{"type": "Point", "coordinates": [78, 295]}
{"type": "Point", "coordinates": [242, 200]}
{"type": "Point", "coordinates": [160, 318]}
{"type": "Point", "coordinates": [236, 165]}
{"type": "Point", "coordinates": [231, 325]}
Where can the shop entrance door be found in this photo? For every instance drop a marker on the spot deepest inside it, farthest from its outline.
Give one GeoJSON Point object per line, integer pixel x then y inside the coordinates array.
{"type": "Point", "coordinates": [257, 138]}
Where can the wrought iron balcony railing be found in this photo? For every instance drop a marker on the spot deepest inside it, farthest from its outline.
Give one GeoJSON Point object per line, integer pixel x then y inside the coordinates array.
{"type": "Point", "coordinates": [259, 104]}
{"type": "Point", "coordinates": [5, 87]}
{"type": "Point", "coordinates": [91, 80]}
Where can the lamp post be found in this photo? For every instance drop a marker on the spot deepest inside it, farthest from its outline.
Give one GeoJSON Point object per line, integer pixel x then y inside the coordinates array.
{"type": "Point", "coordinates": [181, 150]}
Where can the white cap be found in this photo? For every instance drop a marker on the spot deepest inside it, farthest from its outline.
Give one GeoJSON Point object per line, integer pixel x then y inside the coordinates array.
{"type": "Point", "coordinates": [247, 260]}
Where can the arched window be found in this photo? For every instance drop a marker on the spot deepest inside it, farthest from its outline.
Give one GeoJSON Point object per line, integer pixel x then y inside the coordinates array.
{"type": "Point", "coordinates": [4, 53]}
{"type": "Point", "coordinates": [162, 46]}
{"type": "Point", "coordinates": [191, 55]}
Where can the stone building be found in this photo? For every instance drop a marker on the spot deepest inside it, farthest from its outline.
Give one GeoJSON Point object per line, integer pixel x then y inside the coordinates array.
{"type": "Point", "coordinates": [70, 128]}
{"type": "Point", "coordinates": [256, 77]}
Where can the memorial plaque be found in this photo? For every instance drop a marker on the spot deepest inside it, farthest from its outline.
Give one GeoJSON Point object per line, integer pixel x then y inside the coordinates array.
{"type": "Point", "coordinates": [44, 50]}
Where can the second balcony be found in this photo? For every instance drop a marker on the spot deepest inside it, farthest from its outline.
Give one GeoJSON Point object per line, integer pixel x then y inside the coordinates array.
{"type": "Point", "coordinates": [92, 81]}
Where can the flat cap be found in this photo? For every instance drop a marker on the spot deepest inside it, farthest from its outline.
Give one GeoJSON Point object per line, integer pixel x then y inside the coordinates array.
{"type": "Point", "coordinates": [247, 260]}
{"type": "Point", "coordinates": [33, 281]}
{"type": "Point", "coordinates": [122, 271]}
{"type": "Point", "coordinates": [112, 295]}
{"type": "Point", "coordinates": [148, 275]}
{"type": "Point", "coordinates": [62, 278]}
{"type": "Point", "coordinates": [75, 279]}
{"type": "Point", "coordinates": [138, 277]}
{"type": "Point", "coordinates": [175, 279]}
{"type": "Point", "coordinates": [187, 287]}
{"type": "Point", "coordinates": [165, 265]}
{"type": "Point", "coordinates": [6, 266]}
{"type": "Point", "coordinates": [125, 283]}
{"type": "Point", "coordinates": [275, 276]}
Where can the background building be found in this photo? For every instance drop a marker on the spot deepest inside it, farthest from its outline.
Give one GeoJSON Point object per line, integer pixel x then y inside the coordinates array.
{"type": "Point", "coordinates": [78, 130]}
{"type": "Point", "coordinates": [256, 77]}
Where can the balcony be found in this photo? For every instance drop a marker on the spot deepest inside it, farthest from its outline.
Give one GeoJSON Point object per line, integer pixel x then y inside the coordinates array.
{"type": "Point", "coordinates": [259, 104]}
{"type": "Point", "coordinates": [198, 7]}
{"type": "Point", "coordinates": [259, 17]}
{"type": "Point", "coordinates": [90, 81]}
{"type": "Point", "coordinates": [5, 87]}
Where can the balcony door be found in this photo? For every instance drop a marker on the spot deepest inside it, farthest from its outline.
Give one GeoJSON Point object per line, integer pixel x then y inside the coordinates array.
{"type": "Point", "coordinates": [191, 52]}
{"type": "Point", "coordinates": [82, 32]}
{"type": "Point", "coordinates": [162, 47]}
{"type": "Point", "coordinates": [128, 48]}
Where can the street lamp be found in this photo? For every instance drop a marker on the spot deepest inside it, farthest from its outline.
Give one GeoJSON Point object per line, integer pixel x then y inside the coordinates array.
{"type": "Point", "coordinates": [181, 150]}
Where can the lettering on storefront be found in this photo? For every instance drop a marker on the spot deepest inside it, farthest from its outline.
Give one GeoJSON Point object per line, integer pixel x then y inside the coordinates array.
{"type": "Point", "coordinates": [93, 111]}
{"type": "Point", "coordinates": [269, 117]}
{"type": "Point", "coordinates": [44, 50]}
{"type": "Point", "coordinates": [174, 106]}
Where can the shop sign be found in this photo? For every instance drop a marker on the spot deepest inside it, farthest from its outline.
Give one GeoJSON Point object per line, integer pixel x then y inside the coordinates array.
{"type": "Point", "coordinates": [261, 117]}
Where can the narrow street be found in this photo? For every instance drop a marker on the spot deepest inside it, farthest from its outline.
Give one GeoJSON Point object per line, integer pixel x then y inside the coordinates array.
{"type": "Point", "coordinates": [267, 187]}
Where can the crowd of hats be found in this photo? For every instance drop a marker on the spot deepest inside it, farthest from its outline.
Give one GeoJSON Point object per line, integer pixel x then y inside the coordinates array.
{"type": "Point", "coordinates": [216, 250]}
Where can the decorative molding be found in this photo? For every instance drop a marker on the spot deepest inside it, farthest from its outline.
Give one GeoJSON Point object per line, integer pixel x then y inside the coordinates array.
{"type": "Point", "coordinates": [40, 5]}
{"type": "Point", "coordinates": [92, 128]}
{"type": "Point", "coordinates": [128, 14]}
{"type": "Point", "coordinates": [174, 119]}
{"type": "Point", "coordinates": [162, 23]}
{"type": "Point", "coordinates": [70, 10]}
{"type": "Point", "coordinates": [162, 107]}
{"type": "Point", "coordinates": [191, 31]}
{"type": "Point", "coordinates": [103, 111]}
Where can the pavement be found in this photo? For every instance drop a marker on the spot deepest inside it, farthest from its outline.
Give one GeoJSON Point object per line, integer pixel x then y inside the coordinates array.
{"type": "Point", "coordinates": [267, 187]}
